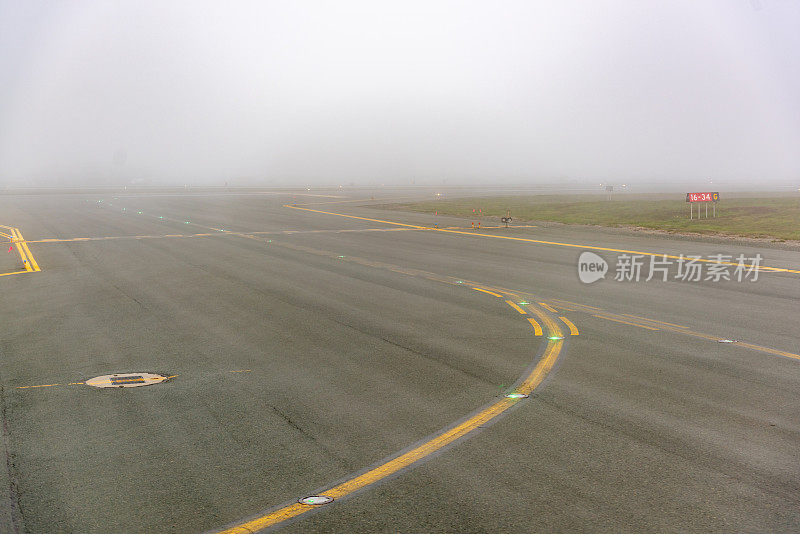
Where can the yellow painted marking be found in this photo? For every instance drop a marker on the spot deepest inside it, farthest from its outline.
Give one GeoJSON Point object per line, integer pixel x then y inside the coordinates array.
{"type": "Point", "coordinates": [21, 251]}
{"type": "Point", "coordinates": [513, 305]}
{"type": "Point", "coordinates": [39, 386]}
{"type": "Point", "coordinates": [537, 329]}
{"type": "Point", "coordinates": [548, 307]}
{"type": "Point", "coordinates": [409, 458]}
{"type": "Point", "coordinates": [625, 322]}
{"type": "Point", "coordinates": [769, 350]}
{"type": "Point", "coordinates": [360, 218]}
{"type": "Point", "coordinates": [573, 330]}
{"type": "Point", "coordinates": [15, 272]}
{"type": "Point", "coordinates": [576, 304]}
{"type": "Point", "coordinates": [242, 371]}
{"type": "Point", "coordinates": [556, 243]}
{"type": "Point", "coordinates": [654, 320]}
{"type": "Point", "coordinates": [31, 259]}
{"type": "Point", "coordinates": [488, 292]}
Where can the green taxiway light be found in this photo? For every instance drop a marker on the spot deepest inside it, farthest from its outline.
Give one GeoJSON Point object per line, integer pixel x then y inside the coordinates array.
{"type": "Point", "coordinates": [523, 303]}
{"type": "Point", "coordinates": [459, 281]}
{"type": "Point", "coordinates": [161, 217]}
{"type": "Point", "coordinates": [187, 222]}
{"type": "Point", "coordinates": [140, 213]}
{"type": "Point", "coordinates": [341, 256]}
{"type": "Point", "coordinates": [555, 338]}
{"type": "Point", "coordinates": [516, 396]}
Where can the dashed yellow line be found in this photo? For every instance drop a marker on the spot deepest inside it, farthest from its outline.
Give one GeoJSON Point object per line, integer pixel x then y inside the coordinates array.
{"type": "Point", "coordinates": [514, 305]}
{"type": "Point", "coordinates": [573, 330]}
{"type": "Point", "coordinates": [488, 292]}
{"type": "Point", "coordinates": [547, 307]}
{"type": "Point", "coordinates": [537, 329]}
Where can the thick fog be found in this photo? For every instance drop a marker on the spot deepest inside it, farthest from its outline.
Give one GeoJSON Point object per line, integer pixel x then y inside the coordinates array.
{"type": "Point", "coordinates": [370, 92]}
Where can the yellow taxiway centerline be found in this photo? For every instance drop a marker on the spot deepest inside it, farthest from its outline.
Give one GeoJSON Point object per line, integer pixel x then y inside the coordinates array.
{"type": "Point", "coordinates": [556, 243]}
{"type": "Point", "coordinates": [407, 459]}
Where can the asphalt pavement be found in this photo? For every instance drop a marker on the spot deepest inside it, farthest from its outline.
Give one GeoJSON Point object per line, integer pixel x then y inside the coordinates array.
{"type": "Point", "coordinates": [305, 349]}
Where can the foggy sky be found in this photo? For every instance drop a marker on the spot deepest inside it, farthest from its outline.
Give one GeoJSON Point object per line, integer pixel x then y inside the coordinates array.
{"type": "Point", "coordinates": [369, 92]}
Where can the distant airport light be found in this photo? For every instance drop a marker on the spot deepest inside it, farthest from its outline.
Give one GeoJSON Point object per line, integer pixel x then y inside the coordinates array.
{"type": "Point", "coordinates": [341, 257]}
{"type": "Point", "coordinates": [161, 217]}
{"type": "Point", "coordinates": [140, 213]}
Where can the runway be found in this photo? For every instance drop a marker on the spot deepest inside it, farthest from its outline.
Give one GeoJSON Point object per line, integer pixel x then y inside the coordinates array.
{"type": "Point", "coordinates": [313, 345]}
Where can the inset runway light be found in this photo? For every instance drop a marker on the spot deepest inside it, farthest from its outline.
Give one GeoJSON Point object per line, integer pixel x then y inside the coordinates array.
{"type": "Point", "coordinates": [140, 213]}
{"type": "Point", "coordinates": [315, 500]}
{"type": "Point", "coordinates": [187, 222]}
{"type": "Point", "coordinates": [459, 281]}
{"type": "Point", "coordinates": [555, 338]}
{"type": "Point", "coordinates": [161, 217]}
{"type": "Point", "coordinates": [516, 396]}
{"type": "Point", "coordinates": [341, 257]}
{"type": "Point", "coordinates": [726, 341]}
{"type": "Point", "coordinates": [523, 303]}
{"type": "Point", "coordinates": [123, 209]}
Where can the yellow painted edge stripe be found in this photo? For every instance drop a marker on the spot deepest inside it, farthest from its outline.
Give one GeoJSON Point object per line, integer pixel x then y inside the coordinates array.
{"type": "Point", "coordinates": [548, 307]}
{"type": "Point", "coordinates": [625, 322]}
{"type": "Point", "coordinates": [537, 329]}
{"type": "Point", "coordinates": [488, 292]}
{"type": "Point", "coordinates": [513, 305]}
{"type": "Point", "coordinates": [573, 330]}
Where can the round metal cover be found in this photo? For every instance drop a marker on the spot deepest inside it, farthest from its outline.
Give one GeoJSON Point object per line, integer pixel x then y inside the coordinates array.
{"type": "Point", "coordinates": [125, 380]}
{"type": "Point", "coordinates": [315, 500]}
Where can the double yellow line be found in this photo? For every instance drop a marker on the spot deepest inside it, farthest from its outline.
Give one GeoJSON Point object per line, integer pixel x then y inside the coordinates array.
{"type": "Point", "coordinates": [28, 261]}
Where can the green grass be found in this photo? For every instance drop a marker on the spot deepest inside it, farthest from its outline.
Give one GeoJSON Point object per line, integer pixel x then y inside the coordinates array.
{"type": "Point", "coordinates": [777, 218]}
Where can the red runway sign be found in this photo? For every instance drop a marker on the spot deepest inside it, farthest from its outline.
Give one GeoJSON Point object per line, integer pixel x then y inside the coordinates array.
{"type": "Point", "coordinates": [702, 197]}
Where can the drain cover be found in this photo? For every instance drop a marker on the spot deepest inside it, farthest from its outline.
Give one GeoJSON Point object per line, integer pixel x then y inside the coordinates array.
{"type": "Point", "coordinates": [315, 499]}
{"type": "Point", "coordinates": [125, 380]}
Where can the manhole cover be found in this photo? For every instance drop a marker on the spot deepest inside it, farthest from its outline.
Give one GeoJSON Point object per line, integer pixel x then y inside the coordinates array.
{"type": "Point", "coordinates": [125, 380]}
{"type": "Point", "coordinates": [315, 499]}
